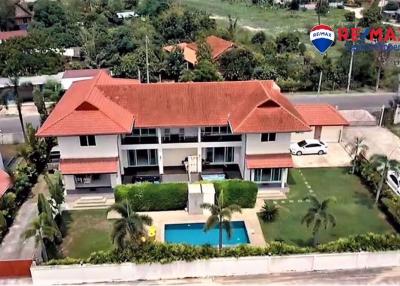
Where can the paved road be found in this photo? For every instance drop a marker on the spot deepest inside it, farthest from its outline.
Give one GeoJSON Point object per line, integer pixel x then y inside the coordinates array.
{"type": "Point", "coordinates": [379, 276]}
{"type": "Point", "coordinates": [10, 124]}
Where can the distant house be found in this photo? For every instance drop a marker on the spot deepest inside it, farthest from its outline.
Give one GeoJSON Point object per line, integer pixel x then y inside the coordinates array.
{"type": "Point", "coordinates": [218, 48]}
{"type": "Point", "coordinates": [22, 15]}
{"type": "Point", "coordinates": [71, 76]}
{"type": "Point", "coordinates": [127, 14]}
{"type": "Point", "coordinates": [4, 36]}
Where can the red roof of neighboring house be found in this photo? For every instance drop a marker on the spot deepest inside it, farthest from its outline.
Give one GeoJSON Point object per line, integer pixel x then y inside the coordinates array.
{"type": "Point", "coordinates": [269, 161]}
{"type": "Point", "coordinates": [218, 47]}
{"type": "Point", "coordinates": [105, 105]}
{"type": "Point", "coordinates": [4, 36]}
{"type": "Point", "coordinates": [89, 166]}
{"type": "Point", "coordinates": [5, 182]}
{"type": "Point", "coordinates": [321, 115]}
{"type": "Point", "coordinates": [81, 73]}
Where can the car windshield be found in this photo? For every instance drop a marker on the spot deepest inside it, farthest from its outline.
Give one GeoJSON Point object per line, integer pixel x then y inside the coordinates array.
{"type": "Point", "coordinates": [302, 143]}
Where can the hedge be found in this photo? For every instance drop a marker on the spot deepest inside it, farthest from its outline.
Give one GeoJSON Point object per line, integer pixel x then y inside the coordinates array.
{"type": "Point", "coordinates": [153, 197]}
{"type": "Point", "coordinates": [166, 253]}
{"type": "Point", "coordinates": [242, 193]}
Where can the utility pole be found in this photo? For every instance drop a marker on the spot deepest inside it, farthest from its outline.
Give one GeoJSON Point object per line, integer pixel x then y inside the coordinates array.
{"type": "Point", "coordinates": [351, 63]}
{"type": "Point", "coordinates": [319, 23]}
{"type": "Point", "coordinates": [147, 60]}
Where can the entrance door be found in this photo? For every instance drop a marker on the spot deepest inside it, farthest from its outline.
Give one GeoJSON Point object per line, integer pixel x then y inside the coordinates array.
{"type": "Point", "coordinates": [317, 133]}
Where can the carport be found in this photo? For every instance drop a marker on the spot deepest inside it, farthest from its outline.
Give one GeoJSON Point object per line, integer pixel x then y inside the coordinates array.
{"type": "Point", "coordinates": [325, 121]}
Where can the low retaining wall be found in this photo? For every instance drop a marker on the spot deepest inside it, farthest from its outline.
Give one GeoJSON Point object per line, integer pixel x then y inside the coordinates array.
{"type": "Point", "coordinates": [65, 274]}
{"type": "Point", "coordinates": [15, 268]}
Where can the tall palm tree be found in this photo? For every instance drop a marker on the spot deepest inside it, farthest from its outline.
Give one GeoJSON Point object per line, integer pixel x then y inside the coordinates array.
{"type": "Point", "coordinates": [42, 228]}
{"type": "Point", "coordinates": [56, 189]}
{"type": "Point", "coordinates": [358, 148]}
{"type": "Point", "coordinates": [220, 215]}
{"type": "Point", "coordinates": [130, 227]}
{"type": "Point", "coordinates": [318, 215]}
{"type": "Point", "coordinates": [383, 164]}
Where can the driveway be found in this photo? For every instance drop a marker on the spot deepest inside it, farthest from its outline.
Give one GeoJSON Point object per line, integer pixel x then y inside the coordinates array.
{"type": "Point", "coordinates": [336, 157]}
{"type": "Point", "coordinates": [379, 140]}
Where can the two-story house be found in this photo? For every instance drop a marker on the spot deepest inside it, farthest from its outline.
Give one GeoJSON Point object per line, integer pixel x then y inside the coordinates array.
{"type": "Point", "coordinates": [112, 131]}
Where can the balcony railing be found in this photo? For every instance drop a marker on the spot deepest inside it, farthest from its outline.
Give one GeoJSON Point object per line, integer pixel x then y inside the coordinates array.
{"type": "Point", "coordinates": [139, 140]}
{"type": "Point", "coordinates": [178, 139]}
{"type": "Point", "coordinates": [220, 138]}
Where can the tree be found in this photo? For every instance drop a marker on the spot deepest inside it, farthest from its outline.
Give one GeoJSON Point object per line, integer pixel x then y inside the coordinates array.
{"type": "Point", "coordinates": [294, 5]}
{"type": "Point", "coordinates": [358, 149]}
{"type": "Point", "coordinates": [382, 55]}
{"type": "Point", "coordinates": [322, 8]}
{"type": "Point", "coordinates": [371, 16]}
{"type": "Point", "coordinates": [232, 28]}
{"type": "Point", "coordinates": [318, 215]}
{"type": "Point", "coordinates": [269, 212]}
{"type": "Point", "coordinates": [6, 13]}
{"type": "Point", "coordinates": [130, 228]}
{"type": "Point", "coordinates": [40, 104]}
{"type": "Point", "coordinates": [383, 164]}
{"type": "Point", "coordinates": [42, 229]}
{"type": "Point", "coordinates": [3, 225]}
{"type": "Point", "coordinates": [175, 64]}
{"type": "Point", "coordinates": [221, 215]}
{"type": "Point", "coordinates": [287, 42]}
{"type": "Point", "coordinates": [237, 64]}
{"type": "Point", "coordinates": [56, 189]}
{"type": "Point", "coordinates": [205, 70]}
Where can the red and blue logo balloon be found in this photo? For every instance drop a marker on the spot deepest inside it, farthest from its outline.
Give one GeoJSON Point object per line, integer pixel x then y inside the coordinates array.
{"type": "Point", "coordinates": [322, 37]}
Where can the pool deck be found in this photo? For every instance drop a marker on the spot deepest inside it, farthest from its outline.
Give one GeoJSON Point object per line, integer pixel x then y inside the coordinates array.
{"type": "Point", "coordinates": [161, 218]}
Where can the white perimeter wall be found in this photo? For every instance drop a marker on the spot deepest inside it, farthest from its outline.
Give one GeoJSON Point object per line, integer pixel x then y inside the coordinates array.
{"type": "Point", "coordinates": [106, 146]}
{"type": "Point", "coordinates": [280, 145]}
{"type": "Point", "coordinates": [331, 134]}
{"type": "Point", "coordinates": [68, 274]}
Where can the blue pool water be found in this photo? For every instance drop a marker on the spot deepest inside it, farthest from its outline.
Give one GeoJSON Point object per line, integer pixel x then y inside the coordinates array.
{"type": "Point", "coordinates": [213, 177]}
{"type": "Point", "coordinates": [193, 233]}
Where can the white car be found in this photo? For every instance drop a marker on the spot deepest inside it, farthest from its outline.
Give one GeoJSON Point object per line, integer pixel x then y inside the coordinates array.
{"type": "Point", "coordinates": [393, 181]}
{"type": "Point", "coordinates": [308, 146]}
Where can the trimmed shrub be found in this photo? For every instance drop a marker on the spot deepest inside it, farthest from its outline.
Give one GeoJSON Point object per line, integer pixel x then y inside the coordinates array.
{"type": "Point", "coordinates": [166, 253]}
{"type": "Point", "coordinates": [242, 193]}
{"type": "Point", "coordinates": [153, 197]}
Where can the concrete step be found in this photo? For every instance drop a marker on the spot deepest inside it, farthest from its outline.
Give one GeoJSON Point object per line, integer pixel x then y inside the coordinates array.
{"type": "Point", "coordinates": [271, 195]}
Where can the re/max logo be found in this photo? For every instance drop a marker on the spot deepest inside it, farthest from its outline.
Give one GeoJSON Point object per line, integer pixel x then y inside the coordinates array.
{"type": "Point", "coordinates": [373, 34]}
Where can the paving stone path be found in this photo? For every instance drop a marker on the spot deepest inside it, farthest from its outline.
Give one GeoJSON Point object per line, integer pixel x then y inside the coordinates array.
{"type": "Point", "coordinates": [310, 190]}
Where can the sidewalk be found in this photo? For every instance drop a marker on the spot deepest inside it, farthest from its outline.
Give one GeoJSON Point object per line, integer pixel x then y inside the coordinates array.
{"type": "Point", "coordinates": [28, 108]}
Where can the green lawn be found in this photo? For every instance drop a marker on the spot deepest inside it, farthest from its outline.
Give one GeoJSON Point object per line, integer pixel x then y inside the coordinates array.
{"type": "Point", "coordinates": [87, 231]}
{"type": "Point", "coordinates": [354, 209]}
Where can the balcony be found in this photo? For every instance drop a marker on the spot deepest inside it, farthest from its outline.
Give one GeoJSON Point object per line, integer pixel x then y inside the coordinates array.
{"type": "Point", "coordinates": [220, 138]}
{"type": "Point", "coordinates": [139, 140]}
{"type": "Point", "coordinates": [175, 138]}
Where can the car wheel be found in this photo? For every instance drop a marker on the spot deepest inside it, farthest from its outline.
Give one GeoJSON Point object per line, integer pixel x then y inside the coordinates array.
{"type": "Point", "coordinates": [320, 152]}
{"type": "Point", "coordinates": [298, 153]}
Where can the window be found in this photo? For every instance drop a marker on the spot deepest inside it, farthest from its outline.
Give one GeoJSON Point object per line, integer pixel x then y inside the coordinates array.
{"type": "Point", "coordinates": [220, 154]}
{"type": "Point", "coordinates": [267, 175]}
{"type": "Point", "coordinates": [89, 140]}
{"type": "Point", "coordinates": [312, 145]}
{"type": "Point", "coordinates": [142, 157]}
{"type": "Point", "coordinates": [394, 179]}
{"type": "Point", "coordinates": [216, 130]}
{"type": "Point", "coordinates": [144, 132]}
{"type": "Point", "coordinates": [267, 137]}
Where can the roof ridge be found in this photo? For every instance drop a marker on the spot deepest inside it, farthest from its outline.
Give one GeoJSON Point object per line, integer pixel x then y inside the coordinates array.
{"type": "Point", "coordinates": [284, 108]}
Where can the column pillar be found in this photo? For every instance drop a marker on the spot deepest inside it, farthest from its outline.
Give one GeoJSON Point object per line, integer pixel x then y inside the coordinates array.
{"type": "Point", "coordinates": [160, 160]}
{"type": "Point", "coordinates": [284, 177]}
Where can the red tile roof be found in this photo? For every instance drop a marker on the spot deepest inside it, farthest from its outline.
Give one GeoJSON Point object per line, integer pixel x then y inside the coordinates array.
{"type": "Point", "coordinates": [81, 73]}
{"type": "Point", "coordinates": [321, 115]}
{"type": "Point", "coordinates": [89, 166]}
{"type": "Point", "coordinates": [4, 36]}
{"type": "Point", "coordinates": [218, 47]}
{"type": "Point", "coordinates": [110, 106]}
{"type": "Point", "coordinates": [269, 161]}
{"type": "Point", "coordinates": [5, 182]}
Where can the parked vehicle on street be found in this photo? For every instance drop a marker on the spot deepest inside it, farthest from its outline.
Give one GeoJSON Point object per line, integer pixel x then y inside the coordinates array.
{"type": "Point", "coordinates": [393, 181]}
{"type": "Point", "coordinates": [309, 146]}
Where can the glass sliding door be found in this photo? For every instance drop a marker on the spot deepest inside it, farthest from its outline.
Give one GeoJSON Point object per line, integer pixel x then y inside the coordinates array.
{"type": "Point", "coordinates": [270, 175]}
{"type": "Point", "coordinates": [147, 157]}
{"type": "Point", "coordinates": [220, 155]}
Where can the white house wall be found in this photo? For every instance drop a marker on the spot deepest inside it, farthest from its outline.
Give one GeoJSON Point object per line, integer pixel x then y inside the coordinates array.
{"type": "Point", "coordinates": [174, 157]}
{"type": "Point", "coordinates": [106, 146]}
{"type": "Point", "coordinates": [298, 136]}
{"type": "Point", "coordinates": [69, 182]}
{"type": "Point", "coordinates": [254, 145]}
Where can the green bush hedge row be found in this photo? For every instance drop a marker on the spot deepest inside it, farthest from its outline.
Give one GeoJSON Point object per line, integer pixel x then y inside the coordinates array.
{"type": "Point", "coordinates": [167, 253]}
{"type": "Point", "coordinates": [153, 197]}
{"type": "Point", "coordinates": [242, 193]}
{"type": "Point", "coordinates": [173, 196]}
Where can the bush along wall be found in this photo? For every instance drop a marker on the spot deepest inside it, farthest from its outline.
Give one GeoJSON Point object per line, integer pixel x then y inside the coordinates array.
{"type": "Point", "coordinates": [154, 197]}
{"type": "Point", "coordinates": [167, 253]}
{"type": "Point", "coordinates": [242, 193]}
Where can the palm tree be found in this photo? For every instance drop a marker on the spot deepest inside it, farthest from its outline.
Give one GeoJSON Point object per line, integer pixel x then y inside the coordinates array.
{"type": "Point", "coordinates": [358, 148]}
{"type": "Point", "coordinates": [318, 215]}
{"type": "Point", "coordinates": [221, 216]}
{"type": "Point", "coordinates": [383, 164]}
{"type": "Point", "coordinates": [130, 227]}
{"type": "Point", "coordinates": [42, 228]}
{"type": "Point", "coordinates": [56, 189]}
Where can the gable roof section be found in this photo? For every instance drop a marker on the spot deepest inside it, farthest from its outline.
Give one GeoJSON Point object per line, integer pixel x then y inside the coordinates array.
{"type": "Point", "coordinates": [321, 115]}
{"type": "Point", "coordinates": [105, 105]}
{"type": "Point", "coordinates": [218, 47]}
{"type": "Point", "coordinates": [12, 34]}
{"type": "Point", "coordinates": [84, 110]}
{"type": "Point", "coordinates": [81, 73]}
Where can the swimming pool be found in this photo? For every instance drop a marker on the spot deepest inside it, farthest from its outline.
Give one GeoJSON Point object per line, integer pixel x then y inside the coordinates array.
{"type": "Point", "coordinates": [213, 177]}
{"type": "Point", "coordinates": [193, 233]}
